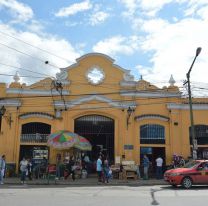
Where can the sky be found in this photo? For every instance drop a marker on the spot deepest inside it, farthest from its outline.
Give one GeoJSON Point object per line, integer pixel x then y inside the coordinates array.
{"type": "Point", "coordinates": [152, 38]}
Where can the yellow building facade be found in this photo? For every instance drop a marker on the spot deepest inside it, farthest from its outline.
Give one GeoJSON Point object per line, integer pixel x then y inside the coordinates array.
{"type": "Point", "coordinates": [101, 101]}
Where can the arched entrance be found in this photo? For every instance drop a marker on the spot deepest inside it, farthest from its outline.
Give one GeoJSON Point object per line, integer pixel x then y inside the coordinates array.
{"type": "Point", "coordinates": [99, 130]}
{"type": "Point", "coordinates": [33, 141]}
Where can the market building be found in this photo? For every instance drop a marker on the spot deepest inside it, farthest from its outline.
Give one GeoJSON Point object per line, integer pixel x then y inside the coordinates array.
{"type": "Point", "coordinates": [101, 101]}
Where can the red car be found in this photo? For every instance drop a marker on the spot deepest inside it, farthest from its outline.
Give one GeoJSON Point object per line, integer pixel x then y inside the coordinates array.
{"type": "Point", "coordinates": [194, 172]}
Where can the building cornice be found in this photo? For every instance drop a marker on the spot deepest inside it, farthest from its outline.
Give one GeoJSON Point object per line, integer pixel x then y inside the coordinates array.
{"type": "Point", "coordinates": [36, 114]}
{"type": "Point", "coordinates": [186, 106]}
{"type": "Point", "coordinates": [35, 92]}
{"type": "Point", "coordinates": [152, 116]}
{"type": "Point", "coordinates": [10, 102]}
{"type": "Point", "coordinates": [95, 54]}
{"type": "Point", "coordinates": [149, 94]}
{"type": "Point", "coordinates": [128, 83]}
{"type": "Point", "coordinates": [112, 103]}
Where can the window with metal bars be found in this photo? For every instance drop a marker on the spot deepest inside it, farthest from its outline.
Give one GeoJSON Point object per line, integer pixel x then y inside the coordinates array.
{"type": "Point", "coordinates": [201, 134]}
{"type": "Point", "coordinates": [152, 134]}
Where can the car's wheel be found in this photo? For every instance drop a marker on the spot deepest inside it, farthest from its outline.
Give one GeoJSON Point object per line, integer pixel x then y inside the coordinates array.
{"type": "Point", "coordinates": [187, 182]}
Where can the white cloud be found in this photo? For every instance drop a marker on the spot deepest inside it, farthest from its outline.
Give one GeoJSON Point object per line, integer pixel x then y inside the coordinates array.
{"type": "Point", "coordinates": [131, 6]}
{"type": "Point", "coordinates": [171, 46]}
{"type": "Point", "coordinates": [147, 7]}
{"type": "Point", "coordinates": [151, 7]}
{"type": "Point", "coordinates": [98, 17]}
{"type": "Point", "coordinates": [174, 48]}
{"type": "Point", "coordinates": [20, 11]}
{"type": "Point", "coordinates": [74, 8]}
{"type": "Point", "coordinates": [203, 13]}
{"type": "Point", "coordinates": [50, 43]}
{"type": "Point", "coordinates": [35, 26]}
{"type": "Point", "coordinates": [117, 45]}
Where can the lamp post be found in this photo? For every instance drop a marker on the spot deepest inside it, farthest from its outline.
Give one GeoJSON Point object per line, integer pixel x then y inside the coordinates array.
{"type": "Point", "coordinates": [129, 112]}
{"type": "Point", "coordinates": [194, 141]}
{"type": "Point", "coordinates": [2, 111]}
{"type": "Point", "coordinates": [8, 117]}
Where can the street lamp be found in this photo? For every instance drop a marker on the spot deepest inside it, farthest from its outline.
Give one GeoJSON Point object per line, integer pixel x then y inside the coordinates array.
{"type": "Point", "coordinates": [2, 111]}
{"type": "Point", "coordinates": [194, 141]}
{"type": "Point", "coordinates": [8, 117]}
{"type": "Point", "coordinates": [129, 112]}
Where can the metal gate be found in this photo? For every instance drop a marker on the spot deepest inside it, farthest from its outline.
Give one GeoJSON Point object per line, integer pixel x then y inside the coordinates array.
{"type": "Point", "coordinates": [99, 130]}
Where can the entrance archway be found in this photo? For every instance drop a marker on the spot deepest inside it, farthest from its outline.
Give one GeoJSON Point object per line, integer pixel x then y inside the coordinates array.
{"type": "Point", "coordinates": [99, 130]}
{"type": "Point", "coordinates": [33, 141]}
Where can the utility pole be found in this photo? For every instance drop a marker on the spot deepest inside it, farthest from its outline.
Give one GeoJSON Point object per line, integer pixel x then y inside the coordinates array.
{"type": "Point", "coordinates": [194, 141]}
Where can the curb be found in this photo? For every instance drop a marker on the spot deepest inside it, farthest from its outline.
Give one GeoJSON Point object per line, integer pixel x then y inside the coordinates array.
{"type": "Point", "coordinates": [89, 184]}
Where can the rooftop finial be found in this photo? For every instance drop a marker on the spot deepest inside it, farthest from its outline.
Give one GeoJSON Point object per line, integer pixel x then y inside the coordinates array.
{"type": "Point", "coordinates": [171, 80]}
{"type": "Point", "coordinates": [141, 77]}
{"type": "Point", "coordinates": [16, 77]}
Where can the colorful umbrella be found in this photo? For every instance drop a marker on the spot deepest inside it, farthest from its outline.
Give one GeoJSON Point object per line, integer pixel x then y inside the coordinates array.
{"type": "Point", "coordinates": [83, 144]}
{"type": "Point", "coordinates": [62, 139]}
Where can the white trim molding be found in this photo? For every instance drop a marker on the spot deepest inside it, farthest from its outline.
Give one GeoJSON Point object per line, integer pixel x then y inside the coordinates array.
{"type": "Point", "coordinates": [186, 106]}
{"type": "Point", "coordinates": [95, 54]}
{"type": "Point", "coordinates": [149, 94]}
{"type": "Point", "coordinates": [36, 114]}
{"type": "Point", "coordinates": [124, 83]}
{"type": "Point", "coordinates": [76, 102]}
{"type": "Point", "coordinates": [35, 92]}
{"type": "Point", "coordinates": [10, 102]}
{"type": "Point", "coordinates": [152, 116]}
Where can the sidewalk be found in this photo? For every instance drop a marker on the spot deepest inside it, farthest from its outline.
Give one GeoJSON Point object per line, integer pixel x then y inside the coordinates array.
{"type": "Point", "coordinates": [91, 181]}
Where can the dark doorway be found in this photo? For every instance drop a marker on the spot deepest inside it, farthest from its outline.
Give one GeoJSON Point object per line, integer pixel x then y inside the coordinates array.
{"type": "Point", "coordinates": [99, 130]}
{"type": "Point", "coordinates": [153, 153]}
{"type": "Point", "coordinates": [33, 133]}
{"type": "Point", "coordinates": [35, 153]}
{"type": "Point", "coordinates": [36, 127]}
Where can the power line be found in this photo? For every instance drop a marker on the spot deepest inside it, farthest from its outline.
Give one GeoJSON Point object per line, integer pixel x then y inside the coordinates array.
{"type": "Point", "coordinates": [11, 75]}
{"type": "Point", "coordinates": [99, 107]}
{"type": "Point", "coordinates": [7, 65]}
{"type": "Point", "coordinates": [97, 94]}
{"type": "Point", "coordinates": [34, 46]}
{"type": "Point", "coordinates": [39, 59]}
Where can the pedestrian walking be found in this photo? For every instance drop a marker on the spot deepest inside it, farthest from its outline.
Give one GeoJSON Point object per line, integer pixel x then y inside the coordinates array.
{"type": "Point", "coordinates": [138, 171]}
{"type": "Point", "coordinates": [159, 163]}
{"type": "Point", "coordinates": [106, 170]}
{"type": "Point", "coordinates": [29, 169]}
{"type": "Point", "coordinates": [70, 169]}
{"type": "Point", "coordinates": [23, 169]}
{"type": "Point", "coordinates": [2, 168]}
{"type": "Point", "coordinates": [146, 167]}
{"type": "Point", "coordinates": [99, 168]}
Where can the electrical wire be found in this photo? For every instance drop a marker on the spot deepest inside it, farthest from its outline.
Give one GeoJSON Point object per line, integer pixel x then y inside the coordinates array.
{"type": "Point", "coordinates": [113, 101]}
{"type": "Point", "coordinates": [23, 53]}
{"type": "Point", "coordinates": [11, 75]}
{"type": "Point", "coordinates": [27, 70]}
{"type": "Point", "coordinates": [43, 50]}
{"type": "Point", "coordinates": [102, 107]}
{"type": "Point", "coordinates": [95, 94]}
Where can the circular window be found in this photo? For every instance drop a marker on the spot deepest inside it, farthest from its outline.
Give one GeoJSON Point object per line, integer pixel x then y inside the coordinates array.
{"type": "Point", "coordinates": [95, 75]}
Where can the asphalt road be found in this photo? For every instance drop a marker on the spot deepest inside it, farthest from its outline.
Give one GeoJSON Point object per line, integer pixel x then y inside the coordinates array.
{"type": "Point", "coordinates": [18, 195]}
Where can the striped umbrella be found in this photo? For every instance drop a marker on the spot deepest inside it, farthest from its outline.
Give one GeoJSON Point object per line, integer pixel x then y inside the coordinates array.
{"type": "Point", "coordinates": [62, 139]}
{"type": "Point", "coordinates": [83, 144]}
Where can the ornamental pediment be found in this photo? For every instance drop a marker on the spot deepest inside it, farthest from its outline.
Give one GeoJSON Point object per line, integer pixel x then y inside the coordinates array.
{"type": "Point", "coordinates": [93, 69]}
{"type": "Point", "coordinates": [144, 85]}
{"type": "Point", "coordinates": [99, 98]}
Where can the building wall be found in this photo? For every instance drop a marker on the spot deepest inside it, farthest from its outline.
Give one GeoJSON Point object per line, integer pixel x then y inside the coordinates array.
{"type": "Point", "coordinates": [176, 127]}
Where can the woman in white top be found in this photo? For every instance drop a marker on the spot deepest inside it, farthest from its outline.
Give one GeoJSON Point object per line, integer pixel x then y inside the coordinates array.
{"type": "Point", "coordinates": [23, 169]}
